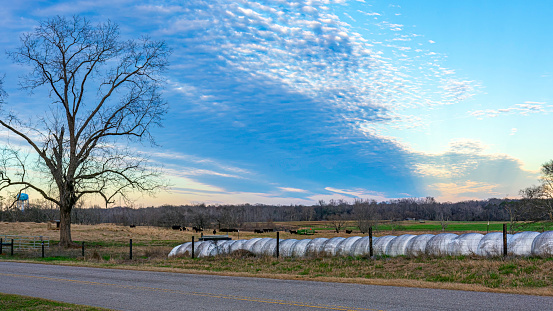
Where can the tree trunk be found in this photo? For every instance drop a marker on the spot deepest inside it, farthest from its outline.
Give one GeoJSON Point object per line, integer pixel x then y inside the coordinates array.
{"type": "Point", "coordinates": [65, 227]}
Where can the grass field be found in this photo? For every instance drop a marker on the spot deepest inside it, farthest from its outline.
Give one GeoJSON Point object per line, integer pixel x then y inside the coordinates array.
{"type": "Point", "coordinates": [107, 246]}
{"type": "Point", "coordinates": [17, 303]}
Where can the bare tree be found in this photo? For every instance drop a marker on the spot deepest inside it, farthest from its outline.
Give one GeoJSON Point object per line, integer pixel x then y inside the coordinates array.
{"type": "Point", "coordinates": [516, 209]}
{"type": "Point", "coordinates": [104, 94]}
{"type": "Point", "coordinates": [337, 221]}
{"type": "Point", "coordinates": [366, 215]}
{"type": "Point", "coordinates": [442, 215]}
{"type": "Point", "coordinates": [538, 200]}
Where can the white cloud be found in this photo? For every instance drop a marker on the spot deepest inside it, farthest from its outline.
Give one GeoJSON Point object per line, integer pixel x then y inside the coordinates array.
{"type": "Point", "coordinates": [525, 109]}
{"type": "Point", "coordinates": [289, 189]}
{"type": "Point", "coordinates": [466, 190]}
{"type": "Point", "coordinates": [465, 171]}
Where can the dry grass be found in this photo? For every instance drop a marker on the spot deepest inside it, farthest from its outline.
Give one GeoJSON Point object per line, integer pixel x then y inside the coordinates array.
{"type": "Point", "coordinates": [107, 246]}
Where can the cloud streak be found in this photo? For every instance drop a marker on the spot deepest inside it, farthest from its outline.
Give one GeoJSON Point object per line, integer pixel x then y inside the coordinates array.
{"type": "Point", "coordinates": [525, 109]}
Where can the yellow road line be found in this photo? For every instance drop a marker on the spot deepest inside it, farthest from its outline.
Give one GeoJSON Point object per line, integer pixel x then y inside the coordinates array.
{"type": "Point", "coordinates": [210, 295]}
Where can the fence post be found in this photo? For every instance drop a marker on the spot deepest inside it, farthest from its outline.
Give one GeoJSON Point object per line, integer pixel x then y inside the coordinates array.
{"type": "Point", "coordinates": [82, 248]}
{"type": "Point", "coordinates": [42, 243]}
{"type": "Point", "coordinates": [278, 245]}
{"type": "Point", "coordinates": [371, 241]}
{"type": "Point", "coordinates": [11, 251]}
{"type": "Point", "coordinates": [192, 247]}
{"type": "Point", "coordinates": [504, 239]}
{"type": "Point", "coordinates": [130, 249]}
{"type": "Point", "coordinates": [1, 244]}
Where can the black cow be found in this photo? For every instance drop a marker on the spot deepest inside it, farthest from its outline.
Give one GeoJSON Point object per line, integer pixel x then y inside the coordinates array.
{"type": "Point", "coordinates": [348, 231]}
{"type": "Point", "coordinates": [258, 231]}
{"type": "Point", "coordinates": [177, 228]}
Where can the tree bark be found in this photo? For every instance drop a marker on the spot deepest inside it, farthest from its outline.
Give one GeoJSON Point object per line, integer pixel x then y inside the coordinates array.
{"type": "Point", "coordinates": [65, 226]}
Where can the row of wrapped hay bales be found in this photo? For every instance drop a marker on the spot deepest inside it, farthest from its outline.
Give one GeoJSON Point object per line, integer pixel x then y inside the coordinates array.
{"type": "Point", "coordinates": [444, 244]}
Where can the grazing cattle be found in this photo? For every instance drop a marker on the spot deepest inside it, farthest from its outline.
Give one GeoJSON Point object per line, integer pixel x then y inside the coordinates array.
{"type": "Point", "coordinates": [132, 226]}
{"type": "Point", "coordinates": [197, 229]}
{"type": "Point", "coordinates": [348, 231]}
{"type": "Point", "coordinates": [294, 231]}
{"type": "Point", "coordinates": [228, 230]}
{"type": "Point", "coordinates": [214, 231]}
{"type": "Point", "coordinates": [268, 230]}
{"type": "Point", "coordinates": [176, 228]}
{"type": "Point", "coordinates": [258, 231]}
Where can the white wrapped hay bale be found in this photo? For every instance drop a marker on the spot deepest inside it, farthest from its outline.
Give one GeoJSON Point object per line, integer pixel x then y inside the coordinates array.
{"type": "Point", "coordinates": [257, 247]}
{"type": "Point", "coordinates": [329, 247]}
{"type": "Point", "coordinates": [315, 246]}
{"type": "Point", "coordinates": [397, 246]}
{"type": "Point", "coordinates": [417, 245]}
{"type": "Point", "coordinates": [248, 244]}
{"type": "Point", "coordinates": [465, 244]}
{"type": "Point", "coordinates": [380, 244]}
{"type": "Point", "coordinates": [439, 244]}
{"type": "Point", "coordinates": [237, 245]}
{"type": "Point", "coordinates": [491, 244]}
{"type": "Point", "coordinates": [223, 247]}
{"type": "Point", "coordinates": [521, 243]}
{"type": "Point", "coordinates": [286, 247]}
{"type": "Point", "coordinates": [300, 248]}
{"type": "Point", "coordinates": [543, 244]}
{"type": "Point", "coordinates": [344, 248]}
{"type": "Point", "coordinates": [219, 248]}
{"type": "Point", "coordinates": [204, 249]}
{"type": "Point", "coordinates": [269, 249]}
{"type": "Point", "coordinates": [180, 250]}
{"type": "Point", "coordinates": [361, 247]}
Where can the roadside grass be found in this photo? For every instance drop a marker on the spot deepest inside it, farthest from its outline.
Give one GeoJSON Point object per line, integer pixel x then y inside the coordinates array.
{"type": "Point", "coordinates": [16, 303]}
{"type": "Point", "coordinates": [516, 275]}
{"type": "Point", "coordinates": [108, 246]}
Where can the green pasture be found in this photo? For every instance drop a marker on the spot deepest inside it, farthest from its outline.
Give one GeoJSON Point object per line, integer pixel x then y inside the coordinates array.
{"type": "Point", "coordinates": [452, 226]}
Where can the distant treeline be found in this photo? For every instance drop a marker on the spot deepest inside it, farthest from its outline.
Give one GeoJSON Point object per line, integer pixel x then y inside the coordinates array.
{"type": "Point", "coordinates": [236, 216]}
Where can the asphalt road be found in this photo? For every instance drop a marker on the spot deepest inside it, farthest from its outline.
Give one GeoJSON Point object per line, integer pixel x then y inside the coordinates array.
{"type": "Point", "coordinates": [143, 290]}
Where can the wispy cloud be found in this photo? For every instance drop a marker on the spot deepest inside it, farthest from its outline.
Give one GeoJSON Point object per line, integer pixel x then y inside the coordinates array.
{"type": "Point", "coordinates": [289, 189]}
{"type": "Point", "coordinates": [525, 109]}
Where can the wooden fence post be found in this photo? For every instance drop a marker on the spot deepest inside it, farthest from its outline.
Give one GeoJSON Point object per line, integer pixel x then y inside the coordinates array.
{"type": "Point", "coordinates": [278, 245]}
{"type": "Point", "coordinates": [192, 247]}
{"type": "Point", "coordinates": [504, 239]}
{"type": "Point", "coordinates": [130, 249]}
{"type": "Point", "coordinates": [371, 241]}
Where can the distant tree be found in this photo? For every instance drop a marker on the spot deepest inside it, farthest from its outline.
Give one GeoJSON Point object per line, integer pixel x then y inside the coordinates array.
{"type": "Point", "coordinates": [538, 200]}
{"type": "Point", "coordinates": [443, 215]}
{"type": "Point", "coordinates": [103, 94]}
{"type": "Point", "coordinates": [337, 221]}
{"type": "Point", "coordinates": [516, 211]}
{"type": "Point", "coordinates": [365, 214]}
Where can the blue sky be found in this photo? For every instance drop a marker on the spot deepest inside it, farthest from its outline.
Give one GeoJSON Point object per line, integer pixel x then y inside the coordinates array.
{"type": "Point", "coordinates": [291, 102]}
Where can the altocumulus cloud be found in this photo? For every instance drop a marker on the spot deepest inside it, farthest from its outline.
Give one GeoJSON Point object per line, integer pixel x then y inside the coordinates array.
{"type": "Point", "coordinates": [280, 101]}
